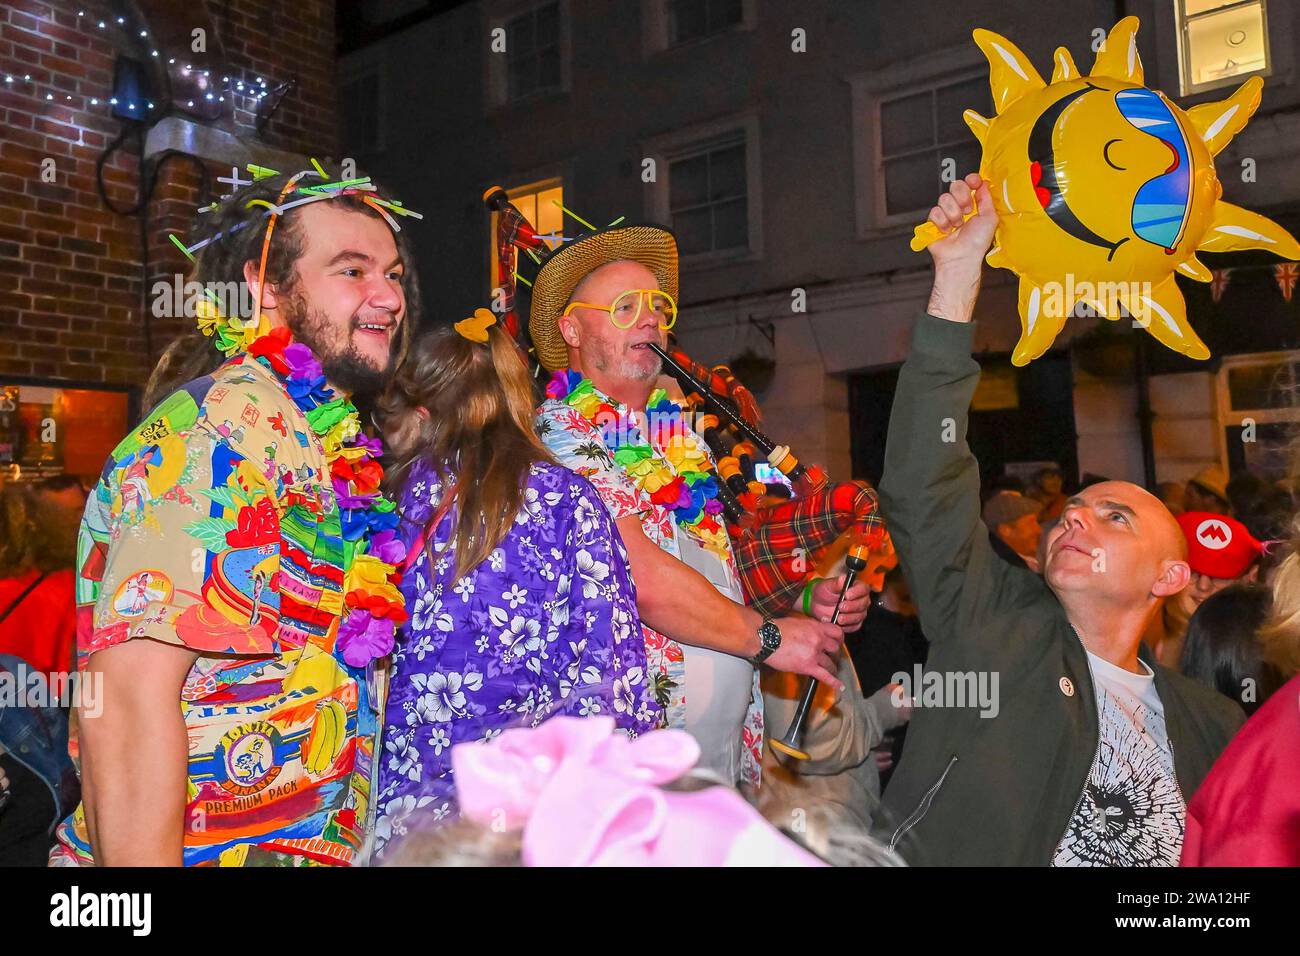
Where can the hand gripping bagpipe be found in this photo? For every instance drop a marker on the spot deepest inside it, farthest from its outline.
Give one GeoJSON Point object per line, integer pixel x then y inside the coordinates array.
{"type": "Point", "coordinates": [781, 541]}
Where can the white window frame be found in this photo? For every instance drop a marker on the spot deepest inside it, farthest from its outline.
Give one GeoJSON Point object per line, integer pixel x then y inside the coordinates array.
{"type": "Point", "coordinates": [655, 34]}
{"type": "Point", "coordinates": [1229, 417]}
{"type": "Point", "coordinates": [688, 141]}
{"type": "Point", "coordinates": [497, 84]}
{"type": "Point", "coordinates": [1181, 20]}
{"type": "Point", "coordinates": [360, 65]}
{"type": "Point", "coordinates": [869, 90]}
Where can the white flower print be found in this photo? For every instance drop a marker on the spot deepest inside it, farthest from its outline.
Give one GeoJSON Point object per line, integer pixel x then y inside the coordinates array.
{"type": "Point", "coordinates": [396, 813]}
{"type": "Point", "coordinates": [620, 624]}
{"type": "Point", "coordinates": [444, 697]}
{"type": "Point", "coordinates": [590, 707]}
{"type": "Point", "coordinates": [530, 508]}
{"type": "Point", "coordinates": [405, 758]}
{"type": "Point", "coordinates": [586, 515]}
{"type": "Point", "coordinates": [464, 587]}
{"type": "Point", "coordinates": [593, 572]}
{"type": "Point", "coordinates": [423, 645]}
{"type": "Point", "coordinates": [523, 635]}
{"type": "Point", "coordinates": [426, 606]}
{"type": "Point", "coordinates": [624, 699]}
{"type": "Point", "coordinates": [516, 596]}
{"type": "Point", "coordinates": [498, 560]}
{"type": "Point", "coordinates": [439, 740]}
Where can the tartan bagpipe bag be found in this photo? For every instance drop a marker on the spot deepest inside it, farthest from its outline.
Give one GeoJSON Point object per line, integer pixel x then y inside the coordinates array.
{"type": "Point", "coordinates": [780, 551]}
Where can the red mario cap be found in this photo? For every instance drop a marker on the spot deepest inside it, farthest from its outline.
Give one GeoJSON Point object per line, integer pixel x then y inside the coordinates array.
{"type": "Point", "coordinates": [1218, 545]}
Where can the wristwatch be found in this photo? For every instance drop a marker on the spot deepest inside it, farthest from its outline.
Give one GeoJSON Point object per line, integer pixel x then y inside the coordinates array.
{"type": "Point", "coordinates": [769, 636]}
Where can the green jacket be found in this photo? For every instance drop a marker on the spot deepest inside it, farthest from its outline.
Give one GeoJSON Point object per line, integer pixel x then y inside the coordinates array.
{"type": "Point", "coordinates": [1000, 790]}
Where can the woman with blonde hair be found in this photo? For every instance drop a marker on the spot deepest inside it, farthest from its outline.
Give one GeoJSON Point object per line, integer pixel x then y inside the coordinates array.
{"type": "Point", "coordinates": [517, 586]}
{"type": "Point", "coordinates": [1247, 811]}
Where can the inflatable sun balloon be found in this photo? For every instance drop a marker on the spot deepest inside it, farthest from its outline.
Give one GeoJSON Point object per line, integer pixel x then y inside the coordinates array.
{"type": "Point", "coordinates": [1104, 189]}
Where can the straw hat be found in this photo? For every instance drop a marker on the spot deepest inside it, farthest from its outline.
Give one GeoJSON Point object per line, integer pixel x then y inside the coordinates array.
{"type": "Point", "coordinates": [653, 246]}
{"type": "Point", "coordinates": [1213, 479]}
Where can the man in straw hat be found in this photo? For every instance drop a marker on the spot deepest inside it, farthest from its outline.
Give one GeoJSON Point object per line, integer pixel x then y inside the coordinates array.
{"type": "Point", "coordinates": [598, 303]}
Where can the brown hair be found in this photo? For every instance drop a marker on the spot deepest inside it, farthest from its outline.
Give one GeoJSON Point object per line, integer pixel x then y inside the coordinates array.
{"type": "Point", "coordinates": [467, 408]}
{"type": "Point", "coordinates": [221, 263]}
{"type": "Point", "coordinates": [37, 532]}
{"type": "Point", "coordinates": [1280, 636]}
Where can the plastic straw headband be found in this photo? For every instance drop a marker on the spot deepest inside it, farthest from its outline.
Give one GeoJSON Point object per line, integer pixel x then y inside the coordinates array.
{"type": "Point", "coordinates": [586, 794]}
{"type": "Point", "coordinates": [235, 334]}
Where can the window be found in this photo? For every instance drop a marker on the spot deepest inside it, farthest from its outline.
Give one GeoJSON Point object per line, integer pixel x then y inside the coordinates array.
{"type": "Point", "coordinates": [1220, 42]}
{"type": "Point", "coordinates": [533, 52]}
{"type": "Point", "coordinates": [908, 134]}
{"type": "Point", "coordinates": [673, 23]}
{"type": "Point", "coordinates": [707, 190]}
{"type": "Point", "coordinates": [695, 19]}
{"type": "Point", "coordinates": [538, 203]}
{"type": "Point", "coordinates": [922, 133]}
{"type": "Point", "coordinates": [1258, 411]}
{"type": "Point", "coordinates": [708, 200]}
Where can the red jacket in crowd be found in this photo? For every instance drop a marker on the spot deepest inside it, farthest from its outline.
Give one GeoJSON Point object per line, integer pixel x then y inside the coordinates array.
{"type": "Point", "coordinates": [42, 628]}
{"type": "Point", "coordinates": [1247, 812]}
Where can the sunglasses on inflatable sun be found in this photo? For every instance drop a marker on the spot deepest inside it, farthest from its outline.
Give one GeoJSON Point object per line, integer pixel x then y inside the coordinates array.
{"type": "Point", "coordinates": [1161, 205]}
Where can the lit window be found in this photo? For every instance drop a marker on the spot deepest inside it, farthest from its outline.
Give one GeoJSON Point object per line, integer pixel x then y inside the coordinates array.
{"type": "Point", "coordinates": [533, 52]}
{"type": "Point", "coordinates": [922, 134]}
{"type": "Point", "coordinates": [694, 19]}
{"type": "Point", "coordinates": [1220, 41]}
{"type": "Point", "coordinates": [708, 198]}
{"type": "Point", "coordinates": [539, 204]}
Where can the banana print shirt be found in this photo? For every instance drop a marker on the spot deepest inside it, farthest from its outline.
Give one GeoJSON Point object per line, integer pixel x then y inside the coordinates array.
{"type": "Point", "coordinates": [214, 528]}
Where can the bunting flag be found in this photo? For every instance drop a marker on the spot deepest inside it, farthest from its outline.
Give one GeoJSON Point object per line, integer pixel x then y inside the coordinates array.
{"type": "Point", "coordinates": [1286, 274]}
{"type": "Point", "coordinates": [1219, 283]}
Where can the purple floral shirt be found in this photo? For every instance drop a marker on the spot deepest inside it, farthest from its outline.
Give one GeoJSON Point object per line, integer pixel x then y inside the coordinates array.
{"type": "Point", "coordinates": [547, 625]}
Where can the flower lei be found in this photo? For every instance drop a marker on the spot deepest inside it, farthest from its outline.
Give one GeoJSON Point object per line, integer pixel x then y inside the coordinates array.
{"type": "Point", "coordinates": [373, 607]}
{"type": "Point", "coordinates": [681, 484]}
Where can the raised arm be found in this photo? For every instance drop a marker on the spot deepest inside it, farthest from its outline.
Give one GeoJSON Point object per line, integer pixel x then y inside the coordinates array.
{"type": "Point", "coordinates": [930, 489]}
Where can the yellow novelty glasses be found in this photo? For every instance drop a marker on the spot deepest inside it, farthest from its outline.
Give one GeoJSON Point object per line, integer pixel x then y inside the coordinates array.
{"type": "Point", "coordinates": [625, 310]}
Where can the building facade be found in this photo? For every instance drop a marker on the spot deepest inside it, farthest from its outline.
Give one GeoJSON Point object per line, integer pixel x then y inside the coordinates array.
{"type": "Point", "coordinates": [792, 147]}
{"type": "Point", "coordinates": [119, 119]}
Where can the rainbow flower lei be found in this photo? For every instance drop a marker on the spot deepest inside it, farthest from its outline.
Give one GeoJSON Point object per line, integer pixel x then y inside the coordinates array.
{"type": "Point", "coordinates": [373, 606]}
{"type": "Point", "coordinates": [677, 478]}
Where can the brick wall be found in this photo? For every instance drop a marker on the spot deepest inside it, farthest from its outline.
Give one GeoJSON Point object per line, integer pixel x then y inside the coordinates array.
{"type": "Point", "coordinates": [70, 269]}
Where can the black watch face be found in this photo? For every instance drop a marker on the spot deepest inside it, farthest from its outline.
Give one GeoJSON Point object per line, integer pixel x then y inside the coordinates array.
{"type": "Point", "coordinates": [770, 635]}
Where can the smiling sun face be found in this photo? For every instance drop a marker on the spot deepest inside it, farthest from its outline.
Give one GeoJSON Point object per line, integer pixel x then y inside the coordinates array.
{"type": "Point", "coordinates": [1104, 189]}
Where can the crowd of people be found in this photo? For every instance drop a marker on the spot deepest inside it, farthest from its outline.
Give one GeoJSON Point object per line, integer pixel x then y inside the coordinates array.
{"type": "Point", "coordinates": [502, 628]}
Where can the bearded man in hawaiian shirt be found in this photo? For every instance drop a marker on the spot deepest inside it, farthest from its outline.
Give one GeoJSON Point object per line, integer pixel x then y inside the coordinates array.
{"type": "Point", "coordinates": [236, 559]}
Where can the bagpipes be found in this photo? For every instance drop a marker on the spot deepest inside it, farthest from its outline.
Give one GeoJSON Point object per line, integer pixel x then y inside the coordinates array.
{"type": "Point", "coordinates": [513, 232]}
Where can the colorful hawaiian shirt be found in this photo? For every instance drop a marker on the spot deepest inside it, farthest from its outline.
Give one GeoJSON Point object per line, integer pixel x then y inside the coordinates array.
{"type": "Point", "coordinates": [547, 625]}
{"type": "Point", "coordinates": [576, 443]}
{"type": "Point", "coordinates": [214, 527]}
